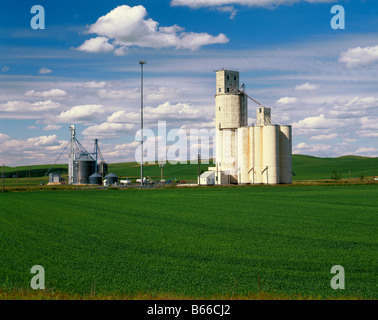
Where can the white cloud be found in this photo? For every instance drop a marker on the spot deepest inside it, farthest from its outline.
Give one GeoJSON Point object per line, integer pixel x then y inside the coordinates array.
{"type": "Point", "coordinates": [35, 150]}
{"type": "Point", "coordinates": [52, 127]}
{"type": "Point", "coordinates": [350, 140]}
{"type": "Point", "coordinates": [369, 123]}
{"type": "Point", "coordinates": [287, 100]}
{"type": "Point", "coordinates": [84, 113]}
{"type": "Point", "coordinates": [44, 71]}
{"type": "Point", "coordinates": [53, 93]}
{"type": "Point", "coordinates": [5, 69]}
{"type": "Point", "coordinates": [118, 94]}
{"type": "Point", "coordinates": [354, 107]}
{"type": "Point", "coordinates": [228, 9]}
{"type": "Point", "coordinates": [356, 57]}
{"type": "Point", "coordinates": [367, 134]}
{"type": "Point", "coordinates": [98, 44]}
{"type": "Point", "coordinates": [250, 3]}
{"type": "Point", "coordinates": [320, 122]}
{"type": "Point", "coordinates": [304, 148]}
{"type": "Point", "coordinates": [165, 111]}
{"type": "Point", "coordinates": [126, 26]}
{"type": "Point", "coordinates": [151, 94]}
{"type": "Point", "coordinates": [175, 111]}
{"type": "Point", "coordinates": [123, 116]}
{"type": "Point", "coordinates": [44, 105]}
{"type": "Point", "coordinates": [199, 125]}
{"type": "Point", "coordinates": [367, 151]}
{"type": "Point", "coordinates": [95, 84]}
{"type": "Point", "coordinates": [3, 137]}
{"type": "Point", "coordinates": [43, 141]}
{"type": "Point", "coordinates": [25, 106]}
{"type": "Point", "coordinates": [307, 87]}
{"type": "Point", "coordinates": [325, 136]}
{"type": "Point", "coordinates": [123, 152]}
{"type": "Point", "coordinates": [108, 130]}
{"type": "Point", "coordinates": [362, 102]}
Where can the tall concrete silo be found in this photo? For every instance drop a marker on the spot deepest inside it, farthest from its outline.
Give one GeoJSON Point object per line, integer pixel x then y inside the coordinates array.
{"type": "Point", "coordinates": [230, 114]}
{"type": "Point", "coordinates": [260, 153]}
{"type": "Point", "coordinates": [270, 155]}
{"type": "Point", "coordinates": [285, 154]}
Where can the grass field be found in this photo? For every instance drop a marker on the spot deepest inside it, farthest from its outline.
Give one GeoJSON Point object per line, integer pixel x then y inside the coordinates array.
{"type": "Point", "coordinates": [193, 242]}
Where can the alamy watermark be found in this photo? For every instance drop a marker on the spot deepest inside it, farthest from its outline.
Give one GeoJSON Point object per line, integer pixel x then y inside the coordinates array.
{"type": "Point", "coordinates": [37, 21]}
{"type": "Point", "coordinates": [38, 281]}
{"type": "Point", "coordinates": [338, 20]}
{"type": "Point", "coordinates": [175, 146]}
{"type": "Point", "coordinates": [338, 281]}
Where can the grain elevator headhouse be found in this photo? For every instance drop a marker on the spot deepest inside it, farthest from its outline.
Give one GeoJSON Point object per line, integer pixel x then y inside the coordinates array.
{"type": "Point", "coordinates": [259, 153]}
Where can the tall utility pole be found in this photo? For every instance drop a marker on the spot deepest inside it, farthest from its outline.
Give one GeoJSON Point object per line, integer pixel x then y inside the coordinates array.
{"type": "Point", "coordinates": [3, 177]}
{"type": "Point", "coordinates": [199, 169]}
{"type": "Point", "coordinates": [161, 165]}
{"type": "Point", "coordinates": [141, 62]}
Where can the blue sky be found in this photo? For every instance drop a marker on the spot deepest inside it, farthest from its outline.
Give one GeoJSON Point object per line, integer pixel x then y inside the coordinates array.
{"type": "Point", "coordinates": [83, 69]}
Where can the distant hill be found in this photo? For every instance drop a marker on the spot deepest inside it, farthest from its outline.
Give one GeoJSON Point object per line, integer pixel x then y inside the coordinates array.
{"type": "Point", "coordinates": [314, 168]}
{"type": "Point", "coordinates": [305, 168]}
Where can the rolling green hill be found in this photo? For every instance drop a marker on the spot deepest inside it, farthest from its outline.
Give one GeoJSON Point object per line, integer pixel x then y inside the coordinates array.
{"type": "Point", "coordinates": [305, 168]}
{"type": "Point", "coordinates": [313, 168]}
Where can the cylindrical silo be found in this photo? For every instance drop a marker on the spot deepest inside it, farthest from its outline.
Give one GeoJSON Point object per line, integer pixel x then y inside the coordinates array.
{"type": "Point", "coordinates": [219, 148]}
{"type": "Point", "coordinates": [285, 154]}
{"type": "Point", "coordinates": [95, 179]}
{"type": "Point", "coordinates": [70, 169]}
{"type": "Point", "coordinates": [251, 155]}
{"type": "Point", "coordinates": [102, 168]}
{"type": "Point", "coordinates": [83, 168]}
{"type": "Point", "coordinates": [229, 111]}
{"type": "Point", "coordinates": [270, 154]}
{"type": "Point", "coordinates": [229, 150]}
{"type": "Point", "coordinates": [242, 134]}
{"type": "Point", "coordinates": [111, 178]}
{"type": "Point", "coordinates": [258, 143]}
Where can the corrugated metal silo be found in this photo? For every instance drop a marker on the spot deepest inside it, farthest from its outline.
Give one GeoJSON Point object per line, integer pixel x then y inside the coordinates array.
{"type": "Point", "coordinates": [111, 178]}
{"type": "Point", "coordinates": [83, 167]}
{"type": "Point", "coordinates": [102, 168]}
{"type": "Point", "coordinates": [95, 179]}
{"type": "Point", "coordinates": [54, 177]}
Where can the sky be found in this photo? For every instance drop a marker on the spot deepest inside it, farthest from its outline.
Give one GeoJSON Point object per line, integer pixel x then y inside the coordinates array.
{"type": "Point", "coordinates": [83, 69]}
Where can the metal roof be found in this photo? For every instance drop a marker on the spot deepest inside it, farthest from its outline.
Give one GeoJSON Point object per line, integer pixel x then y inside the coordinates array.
{"type": "Point", "coordinates": [207, 174]}
{"type": "Point", "coordinates": [111, 175]}
{"type": "Point", "coordinates": [95, 175]}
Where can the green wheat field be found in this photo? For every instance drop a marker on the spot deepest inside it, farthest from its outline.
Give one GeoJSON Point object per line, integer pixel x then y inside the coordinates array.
{"type": "Point", "coordinates": [197, 243]}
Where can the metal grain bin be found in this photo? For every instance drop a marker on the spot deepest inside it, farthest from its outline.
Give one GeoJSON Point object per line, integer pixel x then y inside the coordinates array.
{"type": "Point", "coordinates": [102, 168]}
{"type": "Point", "coordinates": [111, 178]}
{"type": "Point", "coordinates": [83, 167]}
{"type": "Point", "coordinates": [95, 179]}
{"type": "Point", "coordinates": [54, 177]}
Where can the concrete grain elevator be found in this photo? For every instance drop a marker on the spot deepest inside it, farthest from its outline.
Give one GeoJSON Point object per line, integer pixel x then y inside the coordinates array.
{"type": "Point", "coordinates": [256, 154]}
